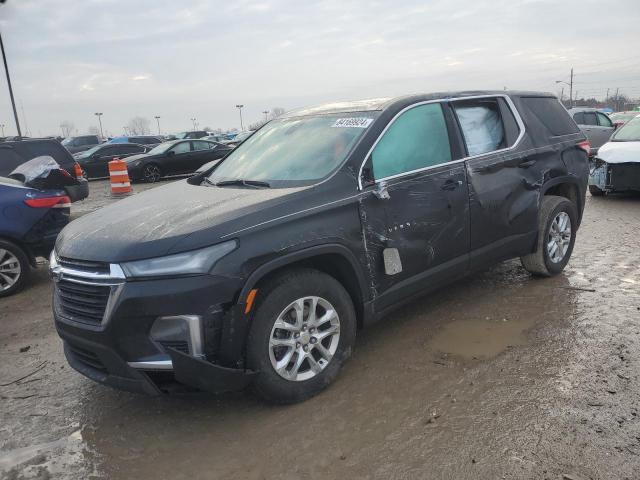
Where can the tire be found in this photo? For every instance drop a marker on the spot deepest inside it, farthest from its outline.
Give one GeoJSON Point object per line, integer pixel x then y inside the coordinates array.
{"type": "Point", "coordinates": [151, 173]}
{"type": "Point", "coordinates": [545, 261]}
{"type": "Point", "coordinates": [595, 191]}
{"type": "Point", "coordinates": [278, 297]}
{"type": "Point", "coordinates": [14, 268]}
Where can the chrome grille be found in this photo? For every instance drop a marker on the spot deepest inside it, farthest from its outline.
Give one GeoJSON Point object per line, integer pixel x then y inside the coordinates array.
{"type": "Point", "coordinates": [81, 302]}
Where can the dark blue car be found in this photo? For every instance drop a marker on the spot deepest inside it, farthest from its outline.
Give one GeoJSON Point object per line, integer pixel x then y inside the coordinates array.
{"type": "Point", "coordinates": [30, 219]}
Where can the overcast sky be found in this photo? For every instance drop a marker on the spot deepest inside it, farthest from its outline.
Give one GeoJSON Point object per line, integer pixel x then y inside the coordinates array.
{"type": "Point", "coordinates": [199, 58]}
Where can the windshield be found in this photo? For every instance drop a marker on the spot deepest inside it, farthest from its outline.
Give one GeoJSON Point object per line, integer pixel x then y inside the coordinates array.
{"type": "Point", "coordinates": [623, 117]}
{"type": "Point", "coordinates": [67, 141]}
{"type": "Point", "coordinates": [294, 151]}
{"type": "Point", "coordinates": [88, 153]}
{"type": "Point", "coordinates": [163, 147]}
{"type": "Point", "coordinates": [629, 132]}
{"type": "Point", "coordinates": [182, 135]}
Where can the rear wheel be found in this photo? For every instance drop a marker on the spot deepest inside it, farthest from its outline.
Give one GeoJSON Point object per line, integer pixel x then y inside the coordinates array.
{"type": "Point", "coordinates": [14, 268]}
{"type": "Point", "coordinates": [303, 331]}
{"type": "Point", "coordinates": [557, 226]}
{"type": "Point", "coordinates": [151, 173]}
{"type": "Point", "coordinates": [595, 191]}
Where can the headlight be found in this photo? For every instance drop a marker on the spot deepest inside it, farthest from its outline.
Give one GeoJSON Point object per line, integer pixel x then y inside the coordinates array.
{"type": "Point", "coordinates": [187, 263]}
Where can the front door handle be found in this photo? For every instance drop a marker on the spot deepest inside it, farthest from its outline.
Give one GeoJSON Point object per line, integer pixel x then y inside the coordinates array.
{"type": "Point", "coordinates": [451, 184]}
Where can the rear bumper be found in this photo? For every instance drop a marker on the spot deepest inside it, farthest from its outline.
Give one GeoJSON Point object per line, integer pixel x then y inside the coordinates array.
{"type": "Point", "coordinates": [78, 192]}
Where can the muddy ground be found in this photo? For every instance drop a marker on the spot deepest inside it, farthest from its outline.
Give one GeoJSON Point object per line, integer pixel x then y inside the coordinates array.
{"type": "Point", "coordinates": [499, 376]}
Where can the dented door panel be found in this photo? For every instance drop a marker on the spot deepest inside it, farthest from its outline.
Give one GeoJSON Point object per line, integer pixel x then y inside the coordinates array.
{"type": "Point", "coordinates": [426, 218]}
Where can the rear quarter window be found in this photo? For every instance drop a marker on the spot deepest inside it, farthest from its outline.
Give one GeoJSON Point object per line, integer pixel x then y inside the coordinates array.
{"type": "Point", "coordinates": [547, 113]}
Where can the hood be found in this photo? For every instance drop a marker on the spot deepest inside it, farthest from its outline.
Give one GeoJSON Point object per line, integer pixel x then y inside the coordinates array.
{"type": "Point", "coordinates": [620, 152]}
{"type": "Point", "coordinates": [169, 219]}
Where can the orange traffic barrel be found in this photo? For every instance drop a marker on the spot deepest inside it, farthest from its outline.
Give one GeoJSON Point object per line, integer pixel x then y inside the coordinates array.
{"type": "Point", "coordinates": [119, 177]}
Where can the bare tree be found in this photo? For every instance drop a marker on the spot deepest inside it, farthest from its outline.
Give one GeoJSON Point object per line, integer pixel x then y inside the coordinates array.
{"type": "Point", "coordinates": [67, 127]}
{"type": "Point", "coordinates": [276, 112]}
{"type": "Point", "coordinates": [139, 126]}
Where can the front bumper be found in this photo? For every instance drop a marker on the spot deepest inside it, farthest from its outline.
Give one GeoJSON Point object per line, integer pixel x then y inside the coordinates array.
{"type": "Point", "coordinates": [118, 349]}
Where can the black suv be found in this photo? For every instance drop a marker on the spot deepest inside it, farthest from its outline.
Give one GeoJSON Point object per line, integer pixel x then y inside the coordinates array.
{"type": "Point", "coordinates": [261, 270]}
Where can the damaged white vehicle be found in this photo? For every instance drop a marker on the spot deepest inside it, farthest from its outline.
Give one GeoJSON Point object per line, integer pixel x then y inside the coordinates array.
{"type": "Point", "coordinates": [616, 168]}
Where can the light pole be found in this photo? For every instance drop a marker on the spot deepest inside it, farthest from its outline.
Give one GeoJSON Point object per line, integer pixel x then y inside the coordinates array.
{"type": "Point", "coordinates": [99, 114]}
{"type": "Point", "coordinates": [570, 88]}
{"type": "Point", "coordinates": [157, 117]}
{"type": "Point", "coordinates": [13, 102]}
{"type": "Point", "coordinates": [239, 107]}
{"type": "Point", "coordinates": [266, 112]}
{"type": "Point", "coordinates": [194, 124]}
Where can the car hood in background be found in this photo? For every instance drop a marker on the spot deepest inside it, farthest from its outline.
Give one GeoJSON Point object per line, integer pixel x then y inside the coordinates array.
{"type": "Point", "coordinates": [169, 219]}
{"type": "Point", "coordinates": [620, 152]}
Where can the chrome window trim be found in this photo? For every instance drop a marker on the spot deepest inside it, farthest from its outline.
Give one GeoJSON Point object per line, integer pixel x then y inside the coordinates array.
{"type": "Point", "coordinates": [152, 365]}
{"type": "Point", "coordinates": [115, 276]}
{"type": "Point", "coordinates": [510, 104]}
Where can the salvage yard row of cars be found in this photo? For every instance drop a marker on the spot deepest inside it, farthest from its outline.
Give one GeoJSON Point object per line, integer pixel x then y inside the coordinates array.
{"type": "Point", "coordinates": [261, 268]}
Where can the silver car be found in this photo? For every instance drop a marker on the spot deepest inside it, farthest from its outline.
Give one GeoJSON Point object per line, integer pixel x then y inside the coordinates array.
{"type": "Point", "coordinates": [596, 125]}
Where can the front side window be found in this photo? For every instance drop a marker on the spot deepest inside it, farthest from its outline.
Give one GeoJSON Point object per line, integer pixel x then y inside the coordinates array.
{"type": "Point", "coordinates": [295, 151]}
{"type": "Point", "coordinates": [417, 139]}
{"type": "Point", "coordinates": [603, 120]}
{"type": "Point", "coordinates": [590, 118]}
{"type": "Point", "coordinates": [481, 125]}
{"type": "Point", "coordinates": [182, 147]}
{"type": "Point", "coordinates": [202, 145]}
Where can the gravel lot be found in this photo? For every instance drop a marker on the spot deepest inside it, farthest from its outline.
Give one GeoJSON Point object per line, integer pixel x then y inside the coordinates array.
{"type": "Point", "coordinates": [499, 376]}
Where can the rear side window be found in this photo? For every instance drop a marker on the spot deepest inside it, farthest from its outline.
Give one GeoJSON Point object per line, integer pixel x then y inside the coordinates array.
{"type": "Point", "coordinates": [549, 114]}
{"type": "Point", "coordinates": [417, 139]}
{"type": "Point", "coordinates": [579, 118]}
{"type": "Point", "coordinates": [590, 118]}
{"type": "Point", "coordinates": [481, 125]}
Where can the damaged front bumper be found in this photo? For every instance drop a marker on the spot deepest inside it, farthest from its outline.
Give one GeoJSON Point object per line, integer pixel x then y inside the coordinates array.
{"type": "Point", "coordinates": [141, 341]}
{"type": "Point", "coordinates": [614, 177]}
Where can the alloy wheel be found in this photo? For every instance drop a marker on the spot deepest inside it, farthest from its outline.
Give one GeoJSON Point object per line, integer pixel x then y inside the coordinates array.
{"type": "Point", "coordinates": [304, 338]}
{"type": "Point", "coordinates": [559, 237]}
{"type": "Point", "coordinates": [9, 269]}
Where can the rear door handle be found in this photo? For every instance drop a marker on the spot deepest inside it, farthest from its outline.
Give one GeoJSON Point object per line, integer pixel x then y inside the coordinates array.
{"type": "Point", "coordinates": [451, 184]}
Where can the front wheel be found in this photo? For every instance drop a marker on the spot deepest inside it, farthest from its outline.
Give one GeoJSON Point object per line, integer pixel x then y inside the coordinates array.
{"type": "Point", "coordinates": [557, 226]}
{"type": "Point", "coordinates": [151, 173]}
{"type": "Point", "coordinates": [303, 331]}
{"type": "Point", "coordinates": [14, 268]}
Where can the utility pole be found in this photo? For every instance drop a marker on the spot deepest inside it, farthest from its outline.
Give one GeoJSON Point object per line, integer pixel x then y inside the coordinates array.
{"type": "Point", "coordinates": [617, 100]}
{"type": "Point", "coordinates": [13, 102]}
{"type": "Point", "coordinates": [266, 113]}
{"type": "Point", "coordinates": [606, 100]}
{"type": "Point", "coordinates": [194, 124]}
{"type": "Point", "coordinates": [571, 89]}
{"type": "Point", "coordinates": [99, 114]}
{"type": "Point", "coordinates": [239, 107]}
{"type": "Point", "coordinates": [157, 117]}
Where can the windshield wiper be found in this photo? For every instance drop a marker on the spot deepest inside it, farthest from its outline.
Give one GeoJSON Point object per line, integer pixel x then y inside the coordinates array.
{"type": "Point", "coordinates": [246, 183]}
{"type": "Point", "coordinates": [208, 182]}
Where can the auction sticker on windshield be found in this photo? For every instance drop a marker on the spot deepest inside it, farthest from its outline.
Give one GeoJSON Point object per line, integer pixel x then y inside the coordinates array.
{"type": "Point", "coordinates": [353, 122]}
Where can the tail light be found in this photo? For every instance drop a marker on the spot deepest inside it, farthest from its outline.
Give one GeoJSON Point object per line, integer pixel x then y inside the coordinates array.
{"type": "Point", "coordinates": [78, 171]}
{"type": "Point", "coordinates": [585, 145]}
{"type": "Point", "coordinates": [49, 202]}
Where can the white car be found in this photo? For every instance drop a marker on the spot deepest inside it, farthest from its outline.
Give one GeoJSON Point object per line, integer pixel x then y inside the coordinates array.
{"type": "Point", "coordinates": [616, 168]}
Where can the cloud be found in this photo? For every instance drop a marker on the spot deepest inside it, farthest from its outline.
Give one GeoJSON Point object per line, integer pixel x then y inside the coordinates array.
{"type": "Point", "coordinates": [138, 78]}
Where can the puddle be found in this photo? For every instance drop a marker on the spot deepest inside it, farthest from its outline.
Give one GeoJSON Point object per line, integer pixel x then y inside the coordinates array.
{"type": "Point", "coordinates": [480, 338]}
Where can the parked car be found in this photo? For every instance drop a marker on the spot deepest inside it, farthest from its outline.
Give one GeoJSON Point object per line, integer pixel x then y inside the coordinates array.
{"type": "Point", "coordinates": [150, 140]}
{"type": "Point", "coordinates": [596, 125]}
{"type": "Point", "coordinates": [15, 153]}
{"type": "Point", "coordinates": [261, 271]}
{"type": "Point", "coordinates": [620, 118]}
{"type": "Point", "coordinates": [216, 137]}
{"type": "Point", "coordinates": [174, 158]}
{"type": "Point", "coordinates": [238, 139]}
{"type": "Point", "coordinates": [191, 134]}
{"type": "Point", "coordinates": [95, 161]}
{"type": "Point", "coordinates": [616, 168]}
{"type": "Point", "coordinates": [32, 213]}
{"type": "Point", "coordinates": [81, 143]}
